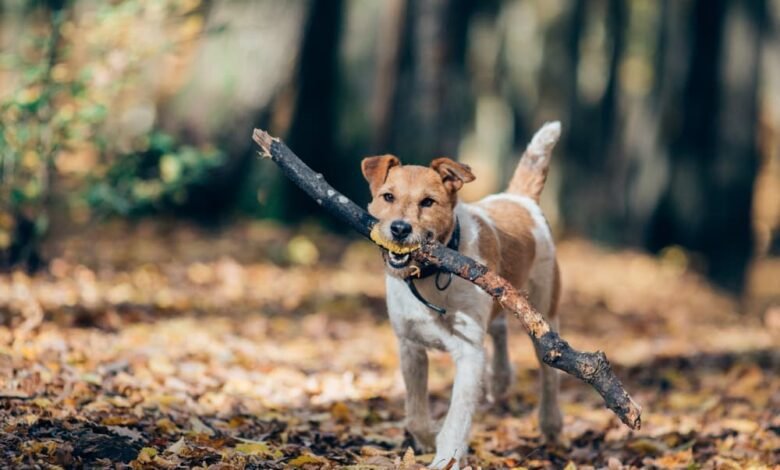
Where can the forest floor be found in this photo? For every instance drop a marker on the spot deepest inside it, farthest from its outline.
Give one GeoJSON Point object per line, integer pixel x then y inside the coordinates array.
{"type": "Point", "coordinates": [162, 346]}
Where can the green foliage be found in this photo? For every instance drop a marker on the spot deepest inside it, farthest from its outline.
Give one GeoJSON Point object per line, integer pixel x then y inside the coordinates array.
{"type": "Point", "coordinates": [144, 182]}
{"type": "Point", "coordinates": [63, 142]}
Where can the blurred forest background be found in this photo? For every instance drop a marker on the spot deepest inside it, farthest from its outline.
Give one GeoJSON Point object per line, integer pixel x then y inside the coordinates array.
{"type": "Point", "coordinates": [671, 111]}
{"type": "Point", "coordinates": [167, 298]}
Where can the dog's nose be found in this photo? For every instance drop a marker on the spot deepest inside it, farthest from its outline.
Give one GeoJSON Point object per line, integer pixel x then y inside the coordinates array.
{"type": "Point", "coordinates": [400, 229]}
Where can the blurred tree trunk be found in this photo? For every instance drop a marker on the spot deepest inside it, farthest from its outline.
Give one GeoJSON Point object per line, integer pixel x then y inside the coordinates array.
{"type": "Point", "coordinates": [681, 166]}
{"type": "Point", "coordinates": [653, 119]}
{"type": "Point", "coordinates": [432, 95]}
{"type": "Point", "coordinates": [707, 204]}
{"type": "Point", "coordinates": [313, 132]}
{"type": "Point", "coordinates": [592, 156]}
{"type": "Point", "coordinates": [391, 42]}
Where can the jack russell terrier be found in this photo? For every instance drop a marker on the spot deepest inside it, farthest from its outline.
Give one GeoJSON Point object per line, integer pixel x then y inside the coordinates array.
{"type": "Point", "coordinates": [428, 309]}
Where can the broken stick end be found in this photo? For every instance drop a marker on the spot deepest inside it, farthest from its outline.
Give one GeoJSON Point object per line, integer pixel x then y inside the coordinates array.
{"type": "Point", "coordinates": [634, 416]}
{"type": "Point", "coordinates": [264, 140]}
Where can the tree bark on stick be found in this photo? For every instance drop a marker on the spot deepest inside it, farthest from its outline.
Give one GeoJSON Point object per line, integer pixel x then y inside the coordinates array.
{"type": "Point", "coordinates": [592, 368]}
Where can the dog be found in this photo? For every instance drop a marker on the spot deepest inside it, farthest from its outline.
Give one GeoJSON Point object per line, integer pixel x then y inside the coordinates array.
{"type": "Point", "coordinates": [428, 310]}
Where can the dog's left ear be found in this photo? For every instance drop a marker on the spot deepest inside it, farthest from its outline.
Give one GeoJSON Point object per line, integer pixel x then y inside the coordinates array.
{"type": "Point", "coordinates": [453, 174]}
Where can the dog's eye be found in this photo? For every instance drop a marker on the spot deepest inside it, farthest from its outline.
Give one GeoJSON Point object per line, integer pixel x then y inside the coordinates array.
{"type": "Point", "coordinates": [388, 197]}
{"type": "Point", "coordinates": [427, 202]}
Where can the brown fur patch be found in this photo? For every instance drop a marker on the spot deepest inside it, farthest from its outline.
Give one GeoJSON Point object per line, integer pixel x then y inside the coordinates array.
{"type": "Point", "coordinates": [513, 224]}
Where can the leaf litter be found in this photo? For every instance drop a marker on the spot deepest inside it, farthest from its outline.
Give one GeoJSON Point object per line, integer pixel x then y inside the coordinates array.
{"type": "Point", "coordinates": [165, 346]}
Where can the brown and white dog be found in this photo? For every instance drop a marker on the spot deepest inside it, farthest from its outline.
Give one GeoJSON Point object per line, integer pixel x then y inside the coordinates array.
{"type": "Point", "coordinates": [507, 232]}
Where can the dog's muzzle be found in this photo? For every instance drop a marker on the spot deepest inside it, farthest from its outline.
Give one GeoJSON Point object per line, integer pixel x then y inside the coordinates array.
{"type": "Point", "coordinates": [398, 255]}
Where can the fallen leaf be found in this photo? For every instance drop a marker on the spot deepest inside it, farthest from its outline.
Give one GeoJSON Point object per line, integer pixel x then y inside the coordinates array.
{"type": "Point", "coordinates": [200, 427]}
{"type": "Point", "coordinates": [259, 448]}
{"type": "Point", "coordinates": [177, 447]}
{"type": "Point", "coordinates": [307, 459]}
{"type": "Point", "coordinates": [648, 446]}
{"type": "Point", "coordinates": [126, 432]}
{"type": "Point", "coordinates": [340, 413]}
{"type": "Point", "coordinates": [146, 455]}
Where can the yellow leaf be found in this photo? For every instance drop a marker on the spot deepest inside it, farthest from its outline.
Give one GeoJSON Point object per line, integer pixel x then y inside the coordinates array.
{"type": "Point", "coordinates": [675, 460]}
{"type": "Point", "coordinates": [92, 378]}
{"type": "Point", "coordinates": [30, 160]}
{"type": "Point", "coordinates": [30, 419]}
{"type": "Point", "coordinates": [390, 245]}
{"type": "Point", "coordinates": [5, 239]}
{"type": "Point", "coordinates": [191, 27]}
{"type": "Point", "coordinates": [28, 95]}
{"type": "Point", "coordinates": [167, 426]}
{"type": "Point", "coordinates": [307, 459]}
{"type": "Point", "coordinates": [170, 168]}
{"type": "Point", "coordinates": [570, 466]}
{"type": "Point", "coordinates": [745, 426]}
{"type": "Point", "coordinates": [165, 400]}
{"type": "Point", "coordinates": [258, 448]}
{"type": "Point", "coordinates": [147, 454]}
{"type": "Point", "coordinates": [647, 446]}
{"type": "Point", "coordinates": [118, 421]}
{"type": "Point", "coordinates": [301, 250]}
{"type": "Point", "coordinates": [42, 402]}
{"type": "Point", "coordinates": [340, 412]}
{"type": "Point", "coordinates": [368, 451]}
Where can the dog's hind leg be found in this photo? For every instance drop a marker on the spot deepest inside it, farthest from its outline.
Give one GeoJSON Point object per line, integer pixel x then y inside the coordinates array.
{"type": "Point", "coordinates": [502, 373]}
{"type": "Point", "coordinates": [545, 299]}
{"type": "Point", "coordinates": [550, 418]}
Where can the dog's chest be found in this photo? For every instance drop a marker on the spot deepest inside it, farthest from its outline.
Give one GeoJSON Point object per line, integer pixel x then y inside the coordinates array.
{"type": "Point", "coordinates": [468, 310]}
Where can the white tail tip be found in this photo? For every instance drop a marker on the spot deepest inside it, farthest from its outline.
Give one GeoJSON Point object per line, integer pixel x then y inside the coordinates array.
{"type": "Point", "coordinates": [545, 139]}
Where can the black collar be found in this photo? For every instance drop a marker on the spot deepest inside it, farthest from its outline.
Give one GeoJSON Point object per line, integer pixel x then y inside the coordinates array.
{"type": "Point", "coordinates": [429, 270]}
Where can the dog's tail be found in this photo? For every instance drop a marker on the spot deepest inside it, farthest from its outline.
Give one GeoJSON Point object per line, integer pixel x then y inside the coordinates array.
{"type": "Point", "coordinates": [531, 172]}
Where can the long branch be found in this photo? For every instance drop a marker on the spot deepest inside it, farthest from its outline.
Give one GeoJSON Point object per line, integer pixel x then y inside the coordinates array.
{"type": "Point", "coordinates": [592, 368]}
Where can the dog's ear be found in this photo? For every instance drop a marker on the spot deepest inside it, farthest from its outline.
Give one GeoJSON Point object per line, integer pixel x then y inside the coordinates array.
{"type": "Point", "coordinates": [453, 174]}
{"type": "Point", "coordinates": [375, 169]}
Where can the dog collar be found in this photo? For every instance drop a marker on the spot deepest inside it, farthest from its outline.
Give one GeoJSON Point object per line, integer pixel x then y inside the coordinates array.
{"type": "Point", "coordinates": [429, 270]}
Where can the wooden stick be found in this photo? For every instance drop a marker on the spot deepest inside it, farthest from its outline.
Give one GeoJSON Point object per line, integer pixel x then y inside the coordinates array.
{"type": "Point", "coordinates": [592, 368]}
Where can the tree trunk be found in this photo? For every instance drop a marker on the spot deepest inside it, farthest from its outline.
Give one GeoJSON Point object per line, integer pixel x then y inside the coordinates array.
{"type": "Point", "coordinates": [707, 205]}
{"type": "Point", "coordinates": [314, 126]}
{"type": "Point", "coordinates": [432, 95]}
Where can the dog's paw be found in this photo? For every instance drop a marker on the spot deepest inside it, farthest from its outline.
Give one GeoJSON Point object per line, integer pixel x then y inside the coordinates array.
{"type": "Point", "coordinates": [423, 440]}
{"type": "Point", "coordinates": [550, 422]}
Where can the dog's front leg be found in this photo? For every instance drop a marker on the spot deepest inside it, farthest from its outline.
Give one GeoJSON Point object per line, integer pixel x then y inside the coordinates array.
{"type": "Point", "coordinates": [453, 439]}
{"type": "Point", "coordinates": [414, 366]}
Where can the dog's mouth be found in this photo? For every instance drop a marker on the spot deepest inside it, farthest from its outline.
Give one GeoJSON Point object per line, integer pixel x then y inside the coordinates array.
{"type": "Point", "coordinates": [397, 255]}
{"type": "Point", "coordinates": [398, 260]}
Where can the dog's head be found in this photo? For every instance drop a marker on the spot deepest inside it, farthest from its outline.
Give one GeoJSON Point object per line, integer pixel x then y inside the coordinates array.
{"type": "Point", "coordinates": [413, 204]}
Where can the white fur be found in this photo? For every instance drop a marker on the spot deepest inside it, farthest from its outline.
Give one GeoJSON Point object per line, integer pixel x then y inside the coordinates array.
{"type": "Point", "coordinates": [540, 147]}
{"type": "Point", "coordinates": [461, 332]}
